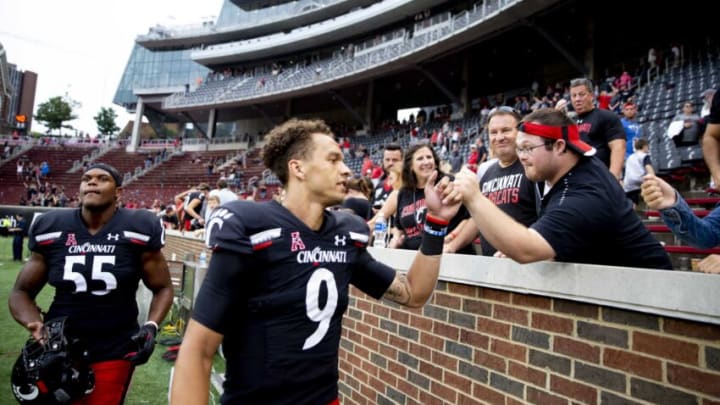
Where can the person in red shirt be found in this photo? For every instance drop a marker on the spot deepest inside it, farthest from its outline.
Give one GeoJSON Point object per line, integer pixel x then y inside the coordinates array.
{"type": "Point", "coordinates": [367, 165]}
{"type": "Point", "coordinates": [473, 158]}
{"type": "Point", "coordinates": [377, 172]}
{"type": "Point", "coordinates": [605, 98]}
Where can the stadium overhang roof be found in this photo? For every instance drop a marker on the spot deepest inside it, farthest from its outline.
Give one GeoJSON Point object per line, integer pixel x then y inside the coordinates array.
{"type": "Point", "coordinates": [253, 4]}
{"type": "Point", "coordinates": [308, 37]}
{"type": "Point", "coordinates": [209, 34]}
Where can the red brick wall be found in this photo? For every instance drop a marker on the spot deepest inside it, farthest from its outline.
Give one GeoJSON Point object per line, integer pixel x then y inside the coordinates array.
{"type": "Point", "coordinates": [184, 248]}
{"type": "Point", "coordinates": [473, 345]}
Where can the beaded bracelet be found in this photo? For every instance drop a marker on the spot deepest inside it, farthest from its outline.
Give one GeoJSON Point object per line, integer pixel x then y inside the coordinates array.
{"type": "Point", "coordinates": [435, 232]}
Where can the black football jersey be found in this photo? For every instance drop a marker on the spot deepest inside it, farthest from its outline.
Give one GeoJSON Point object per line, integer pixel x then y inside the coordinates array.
{"type": "Point", "coordinates": [96, 276]}
{"type": "Point", "coordinates": [280, 308]}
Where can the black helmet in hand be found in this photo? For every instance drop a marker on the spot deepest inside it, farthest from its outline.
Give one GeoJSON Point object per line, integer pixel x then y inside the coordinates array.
{"type": "Point", "coordinates": [52, 371]}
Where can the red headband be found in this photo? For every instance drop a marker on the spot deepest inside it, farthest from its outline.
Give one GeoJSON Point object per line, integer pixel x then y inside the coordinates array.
{"type": "Point", "coordinates": [569, 133]}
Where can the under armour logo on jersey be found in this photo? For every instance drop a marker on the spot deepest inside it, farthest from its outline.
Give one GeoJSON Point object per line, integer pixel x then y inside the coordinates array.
{"type": "Point", "coordinates": [114, 237]}
{"type": "Point", "coordinates": [340, 241]}
{"type": "Point", "coordinates": [71, 241]}
{"type": "Point", "coordinates": [296, 243]}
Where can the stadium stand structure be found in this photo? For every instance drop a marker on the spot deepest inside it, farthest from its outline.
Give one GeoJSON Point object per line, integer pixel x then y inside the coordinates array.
{"type": "Point", "coordinates": [661, 99]}
{"type": "Point", "coordinates": [175, 175]}
{"type": "Point", "coordinates": [59, 158]}
{"type": "Point", "coordinates": [356, 62]}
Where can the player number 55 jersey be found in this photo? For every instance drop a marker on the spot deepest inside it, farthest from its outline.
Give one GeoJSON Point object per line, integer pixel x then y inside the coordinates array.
{"type": "Point", "coordinates": [96, 276]}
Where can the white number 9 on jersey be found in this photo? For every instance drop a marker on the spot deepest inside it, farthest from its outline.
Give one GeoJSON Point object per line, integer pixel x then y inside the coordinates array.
{"type": "Point", "coordinates": [312, 304]}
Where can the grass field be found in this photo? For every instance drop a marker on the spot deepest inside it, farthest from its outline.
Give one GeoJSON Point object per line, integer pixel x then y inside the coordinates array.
{"type": "Point", "coordinates": [150, 381]}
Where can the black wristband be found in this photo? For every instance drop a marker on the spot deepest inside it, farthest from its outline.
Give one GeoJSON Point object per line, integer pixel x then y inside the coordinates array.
{"type": "Point", "coordinates": [431, 245]}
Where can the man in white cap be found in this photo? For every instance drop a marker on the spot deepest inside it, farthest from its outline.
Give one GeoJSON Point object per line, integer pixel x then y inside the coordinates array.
{"type": "Point", "coordinates": [584, 217]}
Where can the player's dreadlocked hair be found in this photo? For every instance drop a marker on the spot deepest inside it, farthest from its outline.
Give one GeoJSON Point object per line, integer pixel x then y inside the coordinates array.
{"type": "Point", "coordinates": [290, 140]}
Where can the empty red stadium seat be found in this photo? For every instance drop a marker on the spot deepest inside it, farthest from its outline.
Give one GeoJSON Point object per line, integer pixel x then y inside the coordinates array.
{"type": "Point", "coordinates": [691, 250]}
{"type": "Point", "coordinates": [655, 213]}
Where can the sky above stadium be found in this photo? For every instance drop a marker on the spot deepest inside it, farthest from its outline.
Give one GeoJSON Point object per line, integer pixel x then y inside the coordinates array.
{"type": "Point", "coordinates": [81, 47]}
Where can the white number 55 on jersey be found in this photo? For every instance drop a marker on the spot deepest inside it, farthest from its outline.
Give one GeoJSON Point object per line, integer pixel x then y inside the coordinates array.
{"type": "Point", "coordinates": [97, 273]}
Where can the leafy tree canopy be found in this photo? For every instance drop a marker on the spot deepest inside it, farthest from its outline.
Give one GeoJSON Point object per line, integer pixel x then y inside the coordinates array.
{"type": "Point", "coordinates": [105, 120]}
{"type": "Point", "coordinates": [54, 112]}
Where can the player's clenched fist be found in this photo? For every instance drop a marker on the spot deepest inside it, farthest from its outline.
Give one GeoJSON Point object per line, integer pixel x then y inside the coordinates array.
{"type": "Point", "coordinates": [464, 188]}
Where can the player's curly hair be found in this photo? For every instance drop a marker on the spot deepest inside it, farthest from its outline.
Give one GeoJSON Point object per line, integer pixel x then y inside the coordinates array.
{"type": "Point", "coordinates": [290, 140]}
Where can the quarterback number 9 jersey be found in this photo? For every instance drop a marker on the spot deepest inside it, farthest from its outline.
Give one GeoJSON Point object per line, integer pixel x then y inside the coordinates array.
{"type": "Point", "coordinates": [280, 296]}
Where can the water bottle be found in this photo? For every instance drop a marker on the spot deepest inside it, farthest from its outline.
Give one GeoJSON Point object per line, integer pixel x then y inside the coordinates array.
{"type": "Point", "coordinates": [203, 258]}
{"type": "Point", "coordinates": [380, 232]}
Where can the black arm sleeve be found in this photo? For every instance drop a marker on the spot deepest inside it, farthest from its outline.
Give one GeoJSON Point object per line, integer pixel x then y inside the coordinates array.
{"type": "Point", "coordinates": [372, 276]}
{"type": "Point", "coordinates": [220, 292]}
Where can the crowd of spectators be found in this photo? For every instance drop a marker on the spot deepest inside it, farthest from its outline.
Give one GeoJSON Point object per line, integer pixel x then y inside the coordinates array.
{"type": "Point", "coordinates": [39, 190]}
{"type": "Point", "coordinates": [604, 116]}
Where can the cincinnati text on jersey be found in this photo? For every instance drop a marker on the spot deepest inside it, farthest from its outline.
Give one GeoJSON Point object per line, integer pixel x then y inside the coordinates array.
{"type": "Point", "coordinates": [504, 182]}
{"type": "Point", "coordinates": [90, 248]}
{"type": "Point", "coordinates": [322, 256]}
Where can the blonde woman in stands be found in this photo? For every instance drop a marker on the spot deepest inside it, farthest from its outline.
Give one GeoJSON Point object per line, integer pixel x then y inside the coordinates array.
{"type": "Point", "coordinates": [675, 212]}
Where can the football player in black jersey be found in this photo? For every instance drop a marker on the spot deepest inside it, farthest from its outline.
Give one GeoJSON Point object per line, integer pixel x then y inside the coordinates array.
{"type": "Point", "coordinates": [95, 257]}
{"type": "Point", "coordinates": [278, 281]}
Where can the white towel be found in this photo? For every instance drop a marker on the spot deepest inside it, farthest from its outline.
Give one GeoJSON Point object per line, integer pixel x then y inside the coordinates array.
{"type": "Point", "coordinates": [675, 128]}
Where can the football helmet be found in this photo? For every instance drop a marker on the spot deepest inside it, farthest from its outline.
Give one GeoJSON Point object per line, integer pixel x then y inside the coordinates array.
{"type": "Point", "coordinates": [54, 370]}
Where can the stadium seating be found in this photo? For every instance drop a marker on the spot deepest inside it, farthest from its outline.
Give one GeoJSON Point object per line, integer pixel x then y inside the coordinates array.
{"type": "Point", "coordinates": [60, 160]}
{"type": "Point", "coordinates": [655, 213]}
{"type": "Point", "coordinates": [174, 176]}
{"type": "Point", "coordinates": [660, 100]}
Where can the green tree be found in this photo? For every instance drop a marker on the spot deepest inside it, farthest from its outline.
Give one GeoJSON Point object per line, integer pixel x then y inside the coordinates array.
{"type": "Point", "coordinates": [54, 112]}
{"type": "Point", "coordinates": [105, 120]}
